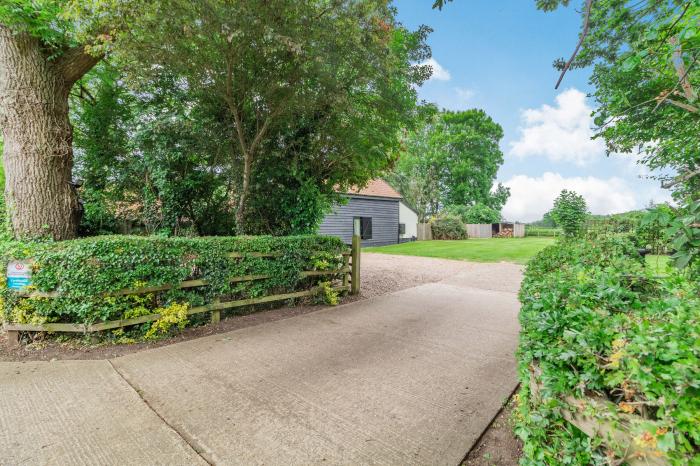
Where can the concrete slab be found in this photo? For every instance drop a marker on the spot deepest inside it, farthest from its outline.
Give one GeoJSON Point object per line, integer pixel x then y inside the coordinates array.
{"type": "Point", "coordinates": [413, 377]}
{"type": "Point", "coordinates": [80, 412]}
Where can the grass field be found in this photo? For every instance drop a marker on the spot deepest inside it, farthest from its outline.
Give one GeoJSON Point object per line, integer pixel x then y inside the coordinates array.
{"type": "Point", "coordinates": [518, 250]}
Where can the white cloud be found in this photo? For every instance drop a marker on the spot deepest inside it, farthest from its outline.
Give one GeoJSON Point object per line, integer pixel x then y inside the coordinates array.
{"type": "Point", "coordinates": [532, 197]}
{"type": "Point", "coordinates": [464, 94]}
{"type": "Point", "coordinates": [439, 72]}
{"type": "Point", "coordinates": [459, 98]}
{"type": "Point", "coordinates": [561, 133]}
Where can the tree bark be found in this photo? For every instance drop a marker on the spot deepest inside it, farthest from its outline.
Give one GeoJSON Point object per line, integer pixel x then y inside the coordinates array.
{"type": "Point", "coordinates": [245, 189]}
{"type": "Point", "coordinates": [38, 153]}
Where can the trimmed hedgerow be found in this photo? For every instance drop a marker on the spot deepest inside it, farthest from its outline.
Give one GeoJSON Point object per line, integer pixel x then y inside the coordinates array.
{"type": "Point", "coordinates": [84, 272]}
{"type": "Point", "coordinates": [596, 323]}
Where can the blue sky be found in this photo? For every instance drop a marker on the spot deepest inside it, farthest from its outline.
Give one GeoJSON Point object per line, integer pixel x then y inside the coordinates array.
{"type": "Point", "coordinates": [497, 56]}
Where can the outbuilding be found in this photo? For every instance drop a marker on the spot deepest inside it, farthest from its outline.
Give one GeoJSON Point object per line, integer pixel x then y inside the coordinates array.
{"type": "Point", "coordinates": [382, 216]}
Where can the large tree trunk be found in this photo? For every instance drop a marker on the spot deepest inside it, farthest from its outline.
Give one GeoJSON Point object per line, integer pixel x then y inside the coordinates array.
{"type": "Point", "coordinates": [38, 153]}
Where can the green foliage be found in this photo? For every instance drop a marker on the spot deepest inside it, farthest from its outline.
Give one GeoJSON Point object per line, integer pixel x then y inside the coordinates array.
{"type": "Point", "coordinates": [477, 213]}
{"type": "Point", "coordinates": [570, 212]}
{"type": "Point", "coordinates": [299, 108]}
{"type": "Point", "coordinates": [595, 323]}
{"type": "Point", "coordinates": [62, 24]}
{"type": "Point", "coordinates": [547, 221]}
{"type": "Point", "coordinates": [448, 226]}
{"type": "Point", "coordinates": [85, 272]}
{"type": "Point", "coordinates": [174, 315]}
{"type": "Point", "coordinates": [646, 78]}
{"type": "Point", "coordinates": [684, 231]}
{"type": "Point", "coordinates": [151, 161]}
{"type": "Point", "coordinates": [328, 294]}
{"type": "Point", "coordinates": [651, 229]}
{"type": "Point", "coordinates": [44, 19]}
{"type": "Point", "coordinates": [452, 158]}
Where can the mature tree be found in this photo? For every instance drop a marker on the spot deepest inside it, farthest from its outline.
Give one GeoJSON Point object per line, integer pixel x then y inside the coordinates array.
{"type": "Point", "coordinates": [46, 46]}
{"type": "Point", "coordinates": [282, 72]}
{"type": "Point", "coordinates": [570, 212]}
{"type": "Point", "coordinates": [452, 159]}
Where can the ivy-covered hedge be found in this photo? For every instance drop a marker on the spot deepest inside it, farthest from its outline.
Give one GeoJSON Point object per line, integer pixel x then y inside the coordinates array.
{"type": "Point", "coordinates": [84, 272]}
{"type": "Point", "coordinates": [596, 323]}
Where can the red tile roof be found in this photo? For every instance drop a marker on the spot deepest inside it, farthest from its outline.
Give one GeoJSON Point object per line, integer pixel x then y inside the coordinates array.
{"type": "Point", "coordinates": [377, 188]}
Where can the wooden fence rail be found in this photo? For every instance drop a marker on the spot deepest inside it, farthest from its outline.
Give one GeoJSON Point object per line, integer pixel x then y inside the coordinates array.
{"type": "Point", "coordinates": [350, 272]}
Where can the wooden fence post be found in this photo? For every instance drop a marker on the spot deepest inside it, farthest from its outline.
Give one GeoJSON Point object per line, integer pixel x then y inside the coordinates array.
{"type": "Point", "coordinates": [13, 338]}
{"type": "Point", "coordinates": [346, 266]}
{"type": "Point", "coordinates": [216, 315]}
{"type": "Point", "coordinates": [356, 245]}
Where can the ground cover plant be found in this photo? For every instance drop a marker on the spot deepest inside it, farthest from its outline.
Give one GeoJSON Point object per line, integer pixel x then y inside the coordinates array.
{"type": "Point", "coordinates": [518, 250]}
{"type": "Point", "coordinates": [597, 323]}
{"type": "Point", "coordinates": [86, 273]}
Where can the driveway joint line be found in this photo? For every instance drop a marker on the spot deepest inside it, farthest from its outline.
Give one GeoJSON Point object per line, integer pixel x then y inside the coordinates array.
{"type": "Point", "coordinates": [198, 450]}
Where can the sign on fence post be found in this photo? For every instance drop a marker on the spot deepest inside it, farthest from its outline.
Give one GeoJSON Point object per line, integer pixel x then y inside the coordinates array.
{"type": "Point", "coordinates": [19, 275]}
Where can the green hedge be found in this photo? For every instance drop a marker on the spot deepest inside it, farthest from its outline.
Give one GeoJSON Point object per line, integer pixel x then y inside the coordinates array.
{"type": "Point", "coordinates": [596, 323]}
{"type": "Point", "coordinates": [448, 226]}
{"type": "Point", "coordinates": [85, 271]}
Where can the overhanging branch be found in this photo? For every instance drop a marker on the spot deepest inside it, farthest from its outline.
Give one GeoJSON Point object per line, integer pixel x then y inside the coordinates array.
{"type": "Point", "coordinates": [75, 62]}
{"type": "Point", "coordinates": [680, 179]}
{"type": "Point", "coordinates": [584, 33]}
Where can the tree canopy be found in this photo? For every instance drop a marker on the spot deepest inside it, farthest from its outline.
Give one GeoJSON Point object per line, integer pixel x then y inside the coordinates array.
{"type": "Point", "coordinates": [451, 159]}
{"type": "Point", "coordinates": [645, 73]}
{"type": "Point", "coordinates": [257, 110]}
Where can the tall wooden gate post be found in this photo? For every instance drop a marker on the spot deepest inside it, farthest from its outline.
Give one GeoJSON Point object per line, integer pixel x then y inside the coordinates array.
{"type": "Point", "coordinates": [356, 245]}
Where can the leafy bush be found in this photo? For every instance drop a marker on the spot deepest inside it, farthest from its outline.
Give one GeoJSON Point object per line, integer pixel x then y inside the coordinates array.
{"type": "Point", "coordinates": [596, 324]}
{"type": "Point", "coordinates": [651, 229]}
{"type": "Point", "coordinates": [86, 273]}
{"type": "Point", "coordinates": [447, 226]}
{"type": "Point", "coordinates": [477, 213]}
{"type": "Point", "coordinates": [570, 212]}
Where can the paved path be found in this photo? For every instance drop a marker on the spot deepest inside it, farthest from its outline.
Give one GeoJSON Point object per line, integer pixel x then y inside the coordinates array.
{"type": "Point", "coordinates": [411, 377]}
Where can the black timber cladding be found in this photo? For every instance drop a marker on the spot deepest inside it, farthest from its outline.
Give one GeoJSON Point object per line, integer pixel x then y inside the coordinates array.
{"type": "Point", "coordinates": [385, 219]}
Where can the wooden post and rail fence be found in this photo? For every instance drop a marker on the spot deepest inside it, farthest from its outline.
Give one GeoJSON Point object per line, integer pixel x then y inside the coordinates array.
{"type": "Point", "coordinates": [350, 272]}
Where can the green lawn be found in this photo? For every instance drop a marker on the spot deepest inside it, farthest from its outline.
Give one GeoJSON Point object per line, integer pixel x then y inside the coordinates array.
{"type": "Point", "coordinates": [518, 250]}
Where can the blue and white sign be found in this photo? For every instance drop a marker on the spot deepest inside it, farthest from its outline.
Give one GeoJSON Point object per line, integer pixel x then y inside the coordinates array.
{"type": "Point", "coordinates": [19, 275]}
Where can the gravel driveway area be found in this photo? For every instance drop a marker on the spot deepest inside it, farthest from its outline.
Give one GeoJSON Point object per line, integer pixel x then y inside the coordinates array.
{"type": "Point", "coordinates": [383, 273]}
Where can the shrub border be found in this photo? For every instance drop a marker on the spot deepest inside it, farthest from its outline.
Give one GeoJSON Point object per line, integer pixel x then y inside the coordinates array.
{"type": "Point", "coordinates": [351, 282]}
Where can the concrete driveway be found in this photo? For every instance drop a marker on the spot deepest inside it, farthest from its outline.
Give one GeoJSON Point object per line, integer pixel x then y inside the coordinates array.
{"type": "Point", "coordinates": [410, 377]}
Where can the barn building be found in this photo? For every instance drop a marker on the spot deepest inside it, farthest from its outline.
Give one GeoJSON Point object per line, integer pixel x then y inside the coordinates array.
{"type": "Point", "coordinates": [379, 210]}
